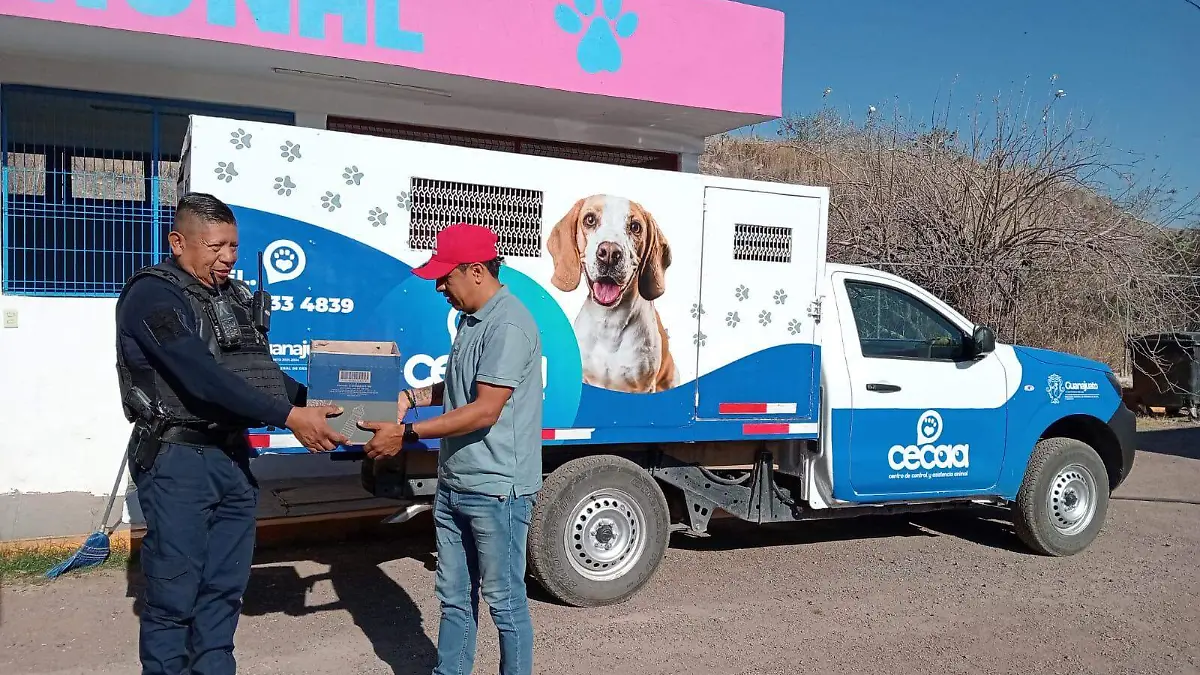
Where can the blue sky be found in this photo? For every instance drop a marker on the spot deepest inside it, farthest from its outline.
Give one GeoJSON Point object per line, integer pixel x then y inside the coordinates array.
{"type": "Point", "coordinates": [1122, 63]}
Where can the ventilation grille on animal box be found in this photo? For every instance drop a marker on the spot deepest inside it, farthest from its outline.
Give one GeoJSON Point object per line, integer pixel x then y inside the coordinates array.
{"type": "Point", "coordinates": [515, 215]}
{"type": "Point", "coordinates": [762, 243]}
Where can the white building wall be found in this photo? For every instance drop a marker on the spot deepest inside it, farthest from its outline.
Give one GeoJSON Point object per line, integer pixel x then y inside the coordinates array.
{"type": "Point", "coordinates": [63, 431]}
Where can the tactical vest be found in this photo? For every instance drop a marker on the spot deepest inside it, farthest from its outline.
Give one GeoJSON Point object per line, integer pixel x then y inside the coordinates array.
{"type": "Point", "coordinates": [249, 356]}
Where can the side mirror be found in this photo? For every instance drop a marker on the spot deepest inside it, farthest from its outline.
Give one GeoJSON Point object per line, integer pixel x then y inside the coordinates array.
{"type": "Point", "coordinates": [984, 341]}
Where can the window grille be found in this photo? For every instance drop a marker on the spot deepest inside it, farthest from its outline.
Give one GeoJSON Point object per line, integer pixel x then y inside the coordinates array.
{"type": "Point", "coordinates": [514, 214]}
{"type": "Point", "coordinates": [646, 159]}
{"type": "Point", "coordinates": [89, 186]}
{"type": "Point", "coordinates": [762, 243]}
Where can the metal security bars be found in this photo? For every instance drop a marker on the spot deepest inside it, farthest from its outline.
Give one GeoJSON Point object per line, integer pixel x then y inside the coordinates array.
{"type": "Point", "coordinates": [514, 214]}
{"type": "Point", "coordinates": [762, 243]}
{"type": "Point", "coordinates": [89, 185]}
{"type": "Point", "coordinates": [645, 159]}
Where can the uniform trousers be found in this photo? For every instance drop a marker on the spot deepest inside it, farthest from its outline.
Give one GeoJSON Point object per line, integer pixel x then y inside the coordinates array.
{"type": "Point", "coordinates": [200, 504]}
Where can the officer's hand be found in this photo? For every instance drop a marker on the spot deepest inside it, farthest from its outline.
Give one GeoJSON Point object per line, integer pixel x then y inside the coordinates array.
{"type": "Point", "coordinates": [311, 429]}
{"type": "Point", "coordinates": [386, 442]}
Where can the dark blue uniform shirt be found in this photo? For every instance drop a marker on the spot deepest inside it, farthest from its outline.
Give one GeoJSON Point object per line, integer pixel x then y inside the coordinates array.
{"type": "Point", "coordinates": [155, 327]}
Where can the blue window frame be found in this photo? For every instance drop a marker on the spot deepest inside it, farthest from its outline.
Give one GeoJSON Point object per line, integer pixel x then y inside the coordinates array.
{"type": "Point", "coordinates": [88, 185]}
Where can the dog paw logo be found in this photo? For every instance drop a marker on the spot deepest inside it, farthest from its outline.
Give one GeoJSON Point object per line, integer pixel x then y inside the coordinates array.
{"type": "Point", "coordinates": [794, 326]}
{"type": "Point", "coordinates": [285, 260]}
{"type": "Point", "coordinates": [732, 319]}
{"type": "Point", "coordinates": [404, 200]}
{"type": "Point", "coordinates": [929, 427]}
{"type": "Point", "coordinates": [697, 310]}
{"type": "Point", "coordinates": [780, 296]}
{"type": "Point", "coordinates": [1055, 388]}
{"type": "Point", "coordinates": [352, 175]}
{"type": "Point", "coordinates": [741, 293]}
{"type": "Point", "coordinates": [284, 186]}
{"type": "Point", "coordinates": [240, 139]}
{"type": "Point", "coordinates": [598, 49]}
{"type": "Point", "coordinates": [290, 151]}
{"type": "Point", "coordinates": [225, 171]}
{"type": "Point", "coordinates": [377, 217]}
{"type": "Point", "coordinates": [331, 202]}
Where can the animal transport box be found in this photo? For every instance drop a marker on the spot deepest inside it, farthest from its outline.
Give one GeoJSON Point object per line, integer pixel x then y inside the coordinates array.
{"type": "Point", "coordinates": [671, 306]}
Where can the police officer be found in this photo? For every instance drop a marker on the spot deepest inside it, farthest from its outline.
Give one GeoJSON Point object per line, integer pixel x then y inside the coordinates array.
{"type": "Point", "coordinates": [196, 372]}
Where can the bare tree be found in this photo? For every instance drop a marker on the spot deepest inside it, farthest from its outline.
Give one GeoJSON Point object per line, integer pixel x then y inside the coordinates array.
{"type": "Point", "coordinates": [1018, 218]}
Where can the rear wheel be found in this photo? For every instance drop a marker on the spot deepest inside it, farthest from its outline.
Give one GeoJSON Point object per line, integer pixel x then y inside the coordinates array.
{"type": "Point", "coordinates": [1063, 500]}
{"type": "Point", "coordinates": [599, 531]}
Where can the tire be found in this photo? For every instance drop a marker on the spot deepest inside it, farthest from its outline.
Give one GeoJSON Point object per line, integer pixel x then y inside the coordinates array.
{"type": "Point", "coordinates": [615, 517]}
{"type": "Point", "coordinates": [1063, 499]}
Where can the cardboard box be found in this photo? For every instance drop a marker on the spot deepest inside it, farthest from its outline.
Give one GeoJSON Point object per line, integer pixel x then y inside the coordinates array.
{"type": "Point", "coordinates": [364, 378]}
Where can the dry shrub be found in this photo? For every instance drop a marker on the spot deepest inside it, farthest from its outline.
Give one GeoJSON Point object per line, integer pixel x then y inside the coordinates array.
{"type": "Point", "coordinates": [1008, 220]}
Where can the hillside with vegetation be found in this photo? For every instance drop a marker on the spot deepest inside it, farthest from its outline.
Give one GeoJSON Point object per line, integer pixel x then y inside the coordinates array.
{"type": "Point", "coordinates": [1012, 217]}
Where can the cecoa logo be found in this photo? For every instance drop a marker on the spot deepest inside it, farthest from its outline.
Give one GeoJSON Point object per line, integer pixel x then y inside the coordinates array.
{"type": "Point", "coordinates": [926, 458]}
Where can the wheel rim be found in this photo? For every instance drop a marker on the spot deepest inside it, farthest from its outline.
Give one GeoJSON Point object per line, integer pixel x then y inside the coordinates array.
{"type": "Point", "coordinates": [604, 535]}
{"type": "Point", "coordinates": [1072, 499]}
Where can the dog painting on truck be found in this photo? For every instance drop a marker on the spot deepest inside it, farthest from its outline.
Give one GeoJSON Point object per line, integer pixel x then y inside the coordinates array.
{"type": "Point", "coordinates": [615, 246]}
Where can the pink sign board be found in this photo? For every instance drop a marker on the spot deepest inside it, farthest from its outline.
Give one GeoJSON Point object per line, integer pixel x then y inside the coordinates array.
{"type": "Point", "coordinates": [714, 54]}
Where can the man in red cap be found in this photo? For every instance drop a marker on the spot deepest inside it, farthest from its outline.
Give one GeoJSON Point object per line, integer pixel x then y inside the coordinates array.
{"type": "Point", "coordinates": [490, 459]}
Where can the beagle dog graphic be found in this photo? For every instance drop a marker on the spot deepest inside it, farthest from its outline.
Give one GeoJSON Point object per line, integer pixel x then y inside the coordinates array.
{"type": "Point", "coordinates": [615, 245]}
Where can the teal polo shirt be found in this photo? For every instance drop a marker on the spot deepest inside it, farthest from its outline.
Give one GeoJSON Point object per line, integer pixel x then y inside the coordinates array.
{"type": "Point", "coordinates": [497, 345]}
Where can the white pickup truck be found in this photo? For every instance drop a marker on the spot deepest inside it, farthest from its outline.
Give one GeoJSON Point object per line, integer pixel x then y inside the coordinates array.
{"type": "Point", "coordinates": [702, 357]}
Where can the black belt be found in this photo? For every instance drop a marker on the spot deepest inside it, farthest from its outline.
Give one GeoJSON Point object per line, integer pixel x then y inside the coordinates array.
{"type": "Point", "coordinates": [189, 436]}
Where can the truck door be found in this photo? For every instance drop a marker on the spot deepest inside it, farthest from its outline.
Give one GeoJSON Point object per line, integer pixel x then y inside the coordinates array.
{"type": "Point", "coordinates": [757, 362]}
{"type": "Point", "coordinates": [926, 419]}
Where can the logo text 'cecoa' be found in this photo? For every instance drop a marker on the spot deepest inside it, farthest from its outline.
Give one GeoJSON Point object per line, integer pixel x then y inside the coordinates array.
{"type": "Point", "coordinates": [926, 458]}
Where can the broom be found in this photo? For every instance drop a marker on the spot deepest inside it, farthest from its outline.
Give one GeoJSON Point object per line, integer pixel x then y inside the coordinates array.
{"type": "Point", "coordinates": [95, 548]}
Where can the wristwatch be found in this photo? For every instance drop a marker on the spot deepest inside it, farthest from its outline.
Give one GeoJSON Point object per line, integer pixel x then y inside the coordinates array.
{"type": "Point", "coordinates": [410, 436]}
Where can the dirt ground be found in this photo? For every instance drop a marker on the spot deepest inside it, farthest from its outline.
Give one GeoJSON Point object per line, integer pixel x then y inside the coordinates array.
{"type": "Point", "coordinates": [946, 593]}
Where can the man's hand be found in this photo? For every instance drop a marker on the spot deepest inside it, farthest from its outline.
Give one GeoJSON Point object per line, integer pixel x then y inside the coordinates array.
{"type": "Point", "coordinates": [387, 441]}
{"type": "Point", "coordinates": [311, 429]}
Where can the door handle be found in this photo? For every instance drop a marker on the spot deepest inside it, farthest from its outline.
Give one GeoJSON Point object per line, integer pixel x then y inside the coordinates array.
{"type": "Point", "coordinates": [882, 388]}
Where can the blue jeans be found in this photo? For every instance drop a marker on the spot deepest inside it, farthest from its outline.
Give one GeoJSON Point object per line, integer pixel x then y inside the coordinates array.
{"type": "Point", "coordinates": [200, 507]}
{"type": "Point", "coordinates": [481, 547]}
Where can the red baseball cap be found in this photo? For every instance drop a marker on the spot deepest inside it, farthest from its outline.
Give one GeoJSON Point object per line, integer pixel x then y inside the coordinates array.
{"type": "Point", "coordinates": [459, 244]}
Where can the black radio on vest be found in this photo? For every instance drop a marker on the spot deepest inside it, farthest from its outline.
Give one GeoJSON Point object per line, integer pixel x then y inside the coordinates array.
{"type": "Point", "coordinates": [260, 304]}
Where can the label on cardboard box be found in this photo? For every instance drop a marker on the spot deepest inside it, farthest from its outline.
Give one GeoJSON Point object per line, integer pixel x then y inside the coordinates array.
{"type": "Point", "coordinates": [364, 378]}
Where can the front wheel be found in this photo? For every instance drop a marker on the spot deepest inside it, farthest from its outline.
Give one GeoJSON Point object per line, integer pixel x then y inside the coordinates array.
{"type": "Point", "coordinates": [1063, 499]}
{"type": "Point", "coordinates": [599, 531]}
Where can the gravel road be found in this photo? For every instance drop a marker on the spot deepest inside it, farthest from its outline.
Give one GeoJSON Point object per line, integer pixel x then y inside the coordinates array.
{"type": "Point", "coordinates": [945, 593]}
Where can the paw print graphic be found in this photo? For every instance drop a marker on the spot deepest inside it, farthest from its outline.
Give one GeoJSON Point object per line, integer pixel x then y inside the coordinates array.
{"type": "Point", "coordinates": [741, 293]}
{"type": "Point", "coordinates": [284, 186]}
{"type": "Point", "coordinates": [598, 49]}
{"type": "Point", "coordinates": [404, 201]}
{"type": "Point", "coordinates": [697, 310]}
{"type": "Point", "coordinates": [240, 139]}
{"type": "Point", "coordinates": [732, 319]}
{"type": "Point", "coordinates": [377, 217]}
{"type": "Point", "coordinates": [794, 326]}
{"type": "Point", "coordinates": [290, 151]}
{"type": "Point", "coordinates": [283, 259]}
{"type": "Point", "coordinates": [699, 339]}
{"type": "Point", "coordinates": [225, 171]}
{"type": "Point", "coordinates": [331, 202]}
{"type": "Point", "coordinates": [764, 317]}
{"type": "Point", "coordinates": [352, 175]}
{"type": "Point", "coordinates": [780, 297]}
